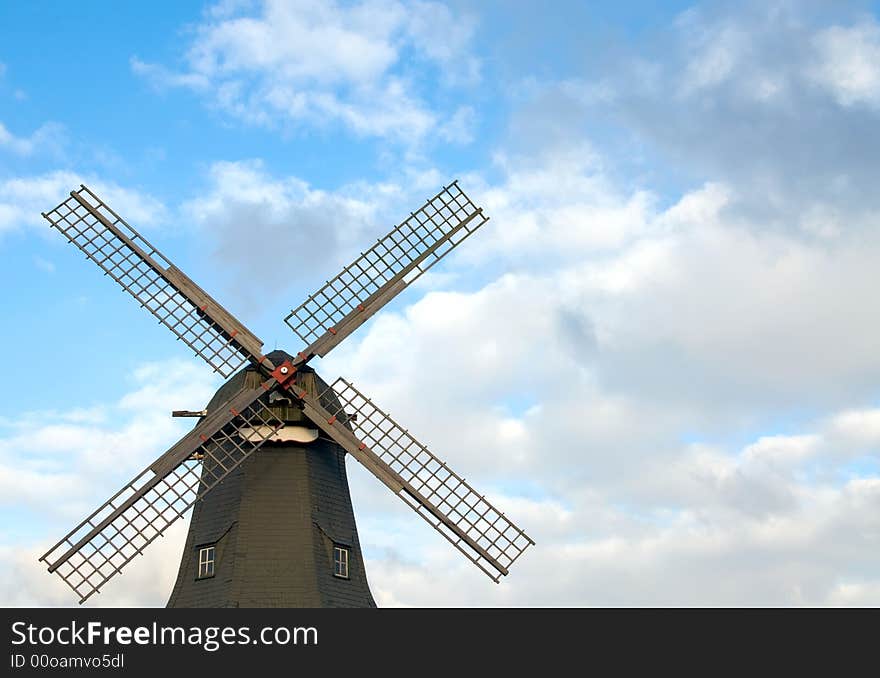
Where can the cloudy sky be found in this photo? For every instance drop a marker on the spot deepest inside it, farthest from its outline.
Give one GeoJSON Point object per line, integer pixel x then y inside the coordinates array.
{"type": "Point", "coordinates": [660, 356]}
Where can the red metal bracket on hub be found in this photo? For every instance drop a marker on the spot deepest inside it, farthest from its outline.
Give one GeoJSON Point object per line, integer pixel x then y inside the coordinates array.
{"type": "Point", "coordinates": [284, 373]}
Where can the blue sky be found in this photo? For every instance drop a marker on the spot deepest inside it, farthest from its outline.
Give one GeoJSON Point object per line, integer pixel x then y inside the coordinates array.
{"type": "Point", "coordinates": [666, 329]}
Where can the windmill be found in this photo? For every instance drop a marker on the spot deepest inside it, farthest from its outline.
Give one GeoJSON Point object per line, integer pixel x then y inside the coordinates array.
{"type": "Point", "coordinates": [275, 404]}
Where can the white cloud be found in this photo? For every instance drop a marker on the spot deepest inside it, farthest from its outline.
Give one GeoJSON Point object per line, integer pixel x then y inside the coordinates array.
{"type": "Point", "coordinates": [560, 204]}
{"type": "Point", "coordinates": [460, 127]}
{"type": "Point", "coordinates": [243, 202]}
{"type": "Point", "coordinates": [723, 532]}
{"type": "Point", "coordinates": [47, 137]}
{"type": "Point", "coordinates": [146, 582]}
{"type": "Point", "coordinates": [717, 52]}
{"type": "Point", "coordinates": [56, 467]}
{"type": "Point", "coordinates": [730, 94]}
{"type": "Point", "coordinates": [621, 327]}
{"type": "Point", "coordinates": [804, 559]}
{"type": "Point", "coordinates": [444, 37]}
{"type": "Point", "coordinates": [320, 63]}
{"type": "Point", "coordinates": [861, 426]}
{"type": "Point", "coordinates": [23, 199]}
{"type": "Point", "coordinates": [162, 77]}
{"type": "Point", "coordinates": [848, 63]}
{"type": "Point", "coordinates": [59, 447]}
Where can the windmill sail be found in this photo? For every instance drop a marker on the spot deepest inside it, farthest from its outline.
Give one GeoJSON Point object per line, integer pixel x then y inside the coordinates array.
{"type": "Point", "coordinates": [142, 271]}
{"type": "Point", "coordinates": [439, 495]}
{"type": "Point", "coordinates": [383, 271]}
{"type": "Point", "coordinates": [102, 544]}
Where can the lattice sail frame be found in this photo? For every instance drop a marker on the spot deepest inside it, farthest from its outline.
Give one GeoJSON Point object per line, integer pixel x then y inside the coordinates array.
{"type": "Point", "coordinates": [102, 544]}
{"type": "Point", "coordinates": [439, 495]}
{"type": "Point", "coordinates": [380, 273]}
{"type": "Point", "coordinates": [145, 273]}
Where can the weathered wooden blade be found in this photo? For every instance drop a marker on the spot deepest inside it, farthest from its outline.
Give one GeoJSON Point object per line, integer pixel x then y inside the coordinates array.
{"type": "Point", "coordinates": [121, 528]}
{"type": "Point", "coordinates": [142, 271]}
{"type": "Point", "coordinates": [475, 527]}
{"type": "Point", "coordinates": [385, 270]}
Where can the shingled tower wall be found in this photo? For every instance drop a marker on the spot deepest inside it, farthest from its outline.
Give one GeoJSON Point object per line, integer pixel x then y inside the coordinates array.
{"type": "Point", "coordinates": [274, 522]}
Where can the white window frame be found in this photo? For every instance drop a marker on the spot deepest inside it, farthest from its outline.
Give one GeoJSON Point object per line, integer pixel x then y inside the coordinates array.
{"type": "Point", "coordinates": [207, 561]}
{"type": "Point", "coordinates": [342, 556]}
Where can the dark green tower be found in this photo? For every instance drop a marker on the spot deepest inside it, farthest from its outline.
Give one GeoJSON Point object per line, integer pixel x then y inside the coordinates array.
{"type": "Point", "coordinates": [280, 530]}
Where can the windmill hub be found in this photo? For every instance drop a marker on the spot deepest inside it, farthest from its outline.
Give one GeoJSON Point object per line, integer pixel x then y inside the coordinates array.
{"type": "Point", "coordinates": [285, 372]}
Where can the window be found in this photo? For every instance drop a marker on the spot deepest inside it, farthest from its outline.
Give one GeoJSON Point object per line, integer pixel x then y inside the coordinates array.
{"type": "Point", "coordinates": [340, 561]}
{"type": "Point", "coordinates": [206, 562]}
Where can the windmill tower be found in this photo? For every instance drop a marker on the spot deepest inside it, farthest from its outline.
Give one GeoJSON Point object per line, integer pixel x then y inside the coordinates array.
{"type": "Point", "coordinates": [265, 465]}
{"type": "Point", "coordinates": [280, 530]}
